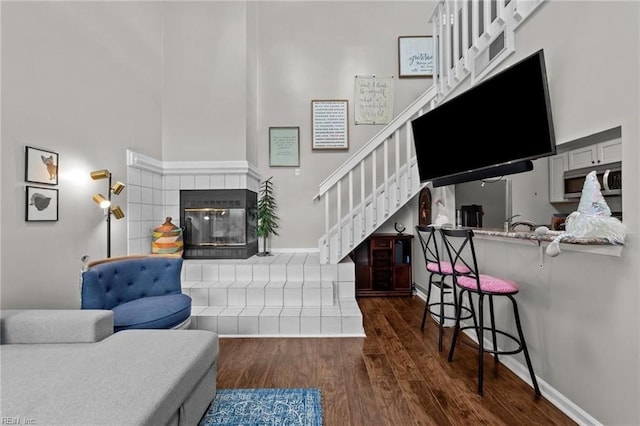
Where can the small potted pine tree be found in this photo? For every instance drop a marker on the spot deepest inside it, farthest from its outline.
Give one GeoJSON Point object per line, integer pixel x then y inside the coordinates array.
{"type": "Point", "coordinates": [267, 218]}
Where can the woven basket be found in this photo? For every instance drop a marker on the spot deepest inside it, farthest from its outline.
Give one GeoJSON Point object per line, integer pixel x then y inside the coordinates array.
{"type": "Point", "coordinates": [167, 239]}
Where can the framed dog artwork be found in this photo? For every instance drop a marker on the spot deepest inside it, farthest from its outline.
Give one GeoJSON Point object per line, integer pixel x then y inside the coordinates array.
{"type": "Point", "coordinates": [41, 166]}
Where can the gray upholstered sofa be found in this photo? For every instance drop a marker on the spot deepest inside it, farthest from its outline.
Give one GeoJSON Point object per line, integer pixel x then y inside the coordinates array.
{"type": "Point", "coordinates": [67, 367]}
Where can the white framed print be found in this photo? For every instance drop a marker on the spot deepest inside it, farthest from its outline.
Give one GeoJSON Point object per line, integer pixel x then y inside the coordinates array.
{"type": "Point", "coordinates": [415, 56]}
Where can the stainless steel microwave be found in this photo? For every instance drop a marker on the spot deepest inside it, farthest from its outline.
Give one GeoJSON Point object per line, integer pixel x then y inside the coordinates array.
{"type": "Point", "coordinates": [609, 176]}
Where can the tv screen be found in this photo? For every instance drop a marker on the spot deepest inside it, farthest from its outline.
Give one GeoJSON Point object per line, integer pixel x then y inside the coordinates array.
{"type": "Point", "coordinates": [502, 121]}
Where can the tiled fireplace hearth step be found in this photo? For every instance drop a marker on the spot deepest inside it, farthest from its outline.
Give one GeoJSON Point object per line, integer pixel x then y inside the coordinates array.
{"type": "Point", "coordinates": [342, 319]}
{"type": "Point", "coordinates": [280, 295]}
{"type": "Point", "coordinates": [260, 293]}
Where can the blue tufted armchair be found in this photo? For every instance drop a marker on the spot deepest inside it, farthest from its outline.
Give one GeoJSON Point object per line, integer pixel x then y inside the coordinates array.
{"type": "Point", "coordinates": [142, 291]}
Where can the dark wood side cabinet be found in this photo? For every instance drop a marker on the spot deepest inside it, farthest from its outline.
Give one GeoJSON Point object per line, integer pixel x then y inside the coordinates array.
{"type": "Point", "coordinates": [383, 265]}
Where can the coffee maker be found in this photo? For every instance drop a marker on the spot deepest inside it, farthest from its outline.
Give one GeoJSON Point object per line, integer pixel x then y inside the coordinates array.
{"type": "Point", "coordinates": [471, 216]}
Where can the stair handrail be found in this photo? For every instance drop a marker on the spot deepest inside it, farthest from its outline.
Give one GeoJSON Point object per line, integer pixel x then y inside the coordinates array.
{"type": "Point", "coordinates": [401, 119]}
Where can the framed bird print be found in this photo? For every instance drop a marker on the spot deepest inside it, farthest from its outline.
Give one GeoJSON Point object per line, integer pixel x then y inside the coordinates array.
{"type": "Point", "coordinates": [41, 204]}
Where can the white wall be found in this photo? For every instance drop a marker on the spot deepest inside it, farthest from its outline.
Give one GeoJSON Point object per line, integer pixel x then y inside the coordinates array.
{"type": "Point", "coordinates": [177, 81]}
{"type": "Point", "coordinates": [590, 333]}
{"type": "Point", "coordinates": [314, 50]}
{"type": "Point", "coordinates": [82, 80]}
{"type": "Point", "coordinates": [581, 312]}
{"type": "Point", "coordinates": [205, 85]}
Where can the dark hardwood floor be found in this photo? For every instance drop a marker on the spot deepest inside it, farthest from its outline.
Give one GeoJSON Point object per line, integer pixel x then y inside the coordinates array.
{"type": "Point", "coordinates": [394, 376]}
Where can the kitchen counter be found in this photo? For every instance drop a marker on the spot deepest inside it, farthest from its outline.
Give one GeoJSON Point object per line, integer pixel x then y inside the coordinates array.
{"type": "Point", "coordinates": [531, 235]}
{"type": "Point", "coordinates": [586, 245]}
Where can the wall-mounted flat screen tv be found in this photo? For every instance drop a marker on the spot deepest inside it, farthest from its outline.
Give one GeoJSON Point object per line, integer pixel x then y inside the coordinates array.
{"type": "Point", "coordinates": [494, 128]}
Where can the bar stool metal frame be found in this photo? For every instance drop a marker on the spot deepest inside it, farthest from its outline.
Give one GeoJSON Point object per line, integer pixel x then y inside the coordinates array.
{"type": "Point", "coordinates": [461, 251]}
{"type": "Point", "coordinates": [442, 269]}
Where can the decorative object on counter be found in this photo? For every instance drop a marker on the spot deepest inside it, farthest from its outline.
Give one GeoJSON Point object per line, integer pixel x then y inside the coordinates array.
{"type": "Point", "coordinates": [105, 202]}
{"type": "Point", "coordinates": [592, 219]}
{"type": "Point", "coordinates": [399, 228]}
{"type": "Point", "coordinates": [441, 217]}
{"type": "Point", "coordinates": [167, 239]}
{"type": "Point", "coordinates": [267, 219]}
{"type": "Point", "coordinates": [541, 230]}
{"type": "Point", "coordinates": [557, 221]}
{"type": "Point", "coordinates": [424, 207]}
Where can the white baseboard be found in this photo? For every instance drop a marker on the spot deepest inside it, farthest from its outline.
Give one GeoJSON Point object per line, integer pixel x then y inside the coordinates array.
{"type": "Point", "coordinates": [294, 250]}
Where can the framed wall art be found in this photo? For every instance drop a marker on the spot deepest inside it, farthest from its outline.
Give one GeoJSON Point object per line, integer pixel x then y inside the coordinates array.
{"type": "Point", "coordinates": [330, 124]}
{"type": "Point", "coordinates": [41, 204]}
{"type": "Point", "coordinates": [41, 166]}
{"type": "Point", "coordinates": [373, 100]}
{"type": "Point", "coordinates": [415, 56]}
{"type": "Point", "coordinates": [284, 146]}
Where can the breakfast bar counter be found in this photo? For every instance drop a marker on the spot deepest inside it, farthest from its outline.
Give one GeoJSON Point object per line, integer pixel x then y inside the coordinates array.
{"type": "Point", "coordinates": [587, 245]}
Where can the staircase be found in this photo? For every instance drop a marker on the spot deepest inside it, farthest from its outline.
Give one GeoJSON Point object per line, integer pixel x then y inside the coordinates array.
{"type": "Point", "coordinates": [470, 38]}
{"type": "Point", "coordinates": [314, 294]}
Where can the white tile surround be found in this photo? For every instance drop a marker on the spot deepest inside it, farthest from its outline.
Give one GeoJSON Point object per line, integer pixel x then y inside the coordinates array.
{"type": "Point", "coordinates": [153, 190]}
{"type": "Point", "coordinates": [287, 294]}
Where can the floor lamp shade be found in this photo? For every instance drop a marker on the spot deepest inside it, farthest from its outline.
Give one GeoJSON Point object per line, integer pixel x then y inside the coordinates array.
{"type": "Point", "coordinates": [100, 174]}
{"type": "Point", "coordinates": [101, 201]}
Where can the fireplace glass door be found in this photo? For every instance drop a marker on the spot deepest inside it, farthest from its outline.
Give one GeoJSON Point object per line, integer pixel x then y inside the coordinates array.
{"type": "Point", "coordinates": [216, 227]}
{"type": "Point", "coordinates": [219, 223]}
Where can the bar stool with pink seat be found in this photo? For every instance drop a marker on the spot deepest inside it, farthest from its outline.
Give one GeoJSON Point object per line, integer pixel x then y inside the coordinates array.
{"type": "Point", "coordinates": [438, 271]}
{"type": "Point", "coordinates": [461, 252]}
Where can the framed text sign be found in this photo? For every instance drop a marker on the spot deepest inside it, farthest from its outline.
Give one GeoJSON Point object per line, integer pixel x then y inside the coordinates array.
{"type": "Point", "coordinates": [284, 146]}
{"type": "Point", "coordinates": [330, 124]}
{"type": "Point", "coordinates": [415, 56]}
{"type": "Point", "coordinates": [373, 100]}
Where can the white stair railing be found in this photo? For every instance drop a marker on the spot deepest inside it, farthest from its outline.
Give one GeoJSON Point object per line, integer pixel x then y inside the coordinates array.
{"type": "Point", "coordinates": [471, 38]}
{"type": "Point", "coordinates": [378, 185]}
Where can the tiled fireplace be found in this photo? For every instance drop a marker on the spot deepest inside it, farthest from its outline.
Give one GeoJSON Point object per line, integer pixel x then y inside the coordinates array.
{"type": "Point", "coordinates": [287, 294]}
{"type": "Point", "coordinates": [154, 188]}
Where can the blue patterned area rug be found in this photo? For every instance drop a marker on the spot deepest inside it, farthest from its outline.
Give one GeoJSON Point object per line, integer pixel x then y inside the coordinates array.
{"type": "Point", "coordinates": [275, 407]}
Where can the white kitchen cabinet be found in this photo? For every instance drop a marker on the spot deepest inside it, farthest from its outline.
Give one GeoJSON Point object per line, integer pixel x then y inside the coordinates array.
{"type": "Point", "coordinates": [600, 153]}
{"type": "Point", "coordinates": [558, 164]}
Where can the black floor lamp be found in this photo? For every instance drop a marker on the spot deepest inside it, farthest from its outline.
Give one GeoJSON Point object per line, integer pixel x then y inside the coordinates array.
{"type": "Point", "coordinates": [105, 202]}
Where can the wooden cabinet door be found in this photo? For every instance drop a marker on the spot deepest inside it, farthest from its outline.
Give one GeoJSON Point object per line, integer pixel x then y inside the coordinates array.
{"type": "Point", "coordinates": [402, 278]}
{"type": "Point", "coordinates": [363, 277]}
